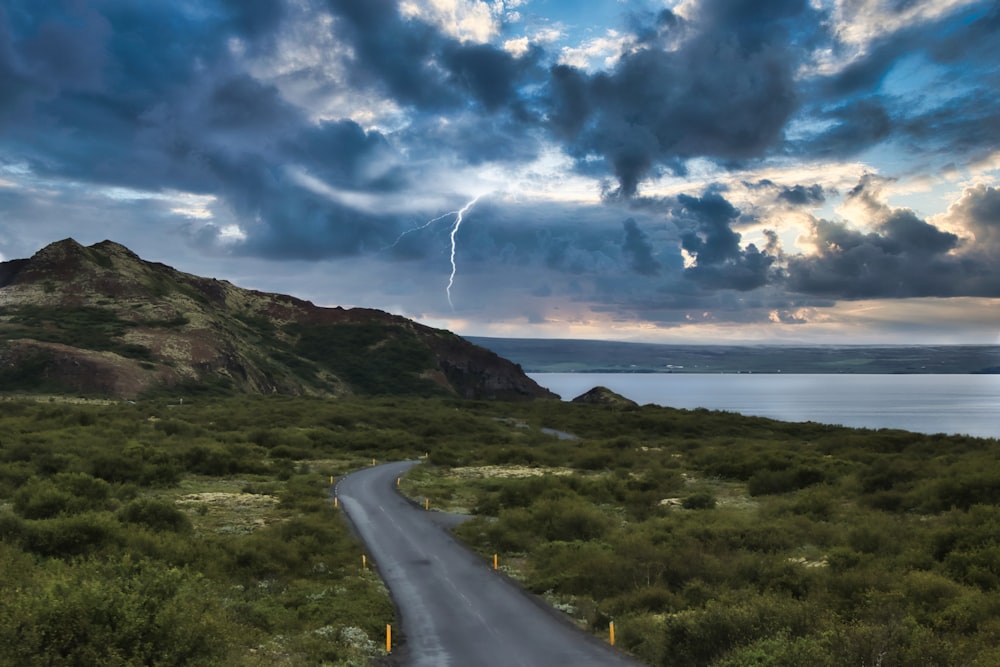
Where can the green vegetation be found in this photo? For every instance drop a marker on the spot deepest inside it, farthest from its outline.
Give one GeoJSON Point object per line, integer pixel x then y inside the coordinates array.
{"type": "Point", "coordinates": [711, 539]}
{"type": "Point", "coordinates": [159, 534]}
{"type": "Point", "coordinates": [373, 358]}
{"type": "Point", "coordinates": [202, 533]}
{"type": "Point", "coordinates": [84, 327]}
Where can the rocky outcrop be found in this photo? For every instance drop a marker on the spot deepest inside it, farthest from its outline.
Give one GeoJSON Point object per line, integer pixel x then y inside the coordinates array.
{"type": "Point", "coordinates": [604, 396]}
{"type": "Point", "coordinates": [100, 320]}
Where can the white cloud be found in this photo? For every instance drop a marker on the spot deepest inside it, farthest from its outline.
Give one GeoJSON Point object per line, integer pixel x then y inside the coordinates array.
{"type": "Point", "coordinates": [597, 53]}
{"type": "Point", "coordinates": [232, 234]}
{"type": "Point", "coordinates": [309, 66]}
{"type": "Point", "coordinates": [859, 23]}
{"type": "Point", "coordinates": [547, 36]}
{"type": "Point", "coordinates": [377, 203]}
{"type": "Point", "coordinates": [517, 47]}
{"type": "Point", "coordinates": [466, 20]}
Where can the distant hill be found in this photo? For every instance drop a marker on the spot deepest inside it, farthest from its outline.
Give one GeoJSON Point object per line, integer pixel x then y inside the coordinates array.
{"type": "Point", "coordinates": [591, 356]}
{"type": "Point", "coordinates": [101, 321]}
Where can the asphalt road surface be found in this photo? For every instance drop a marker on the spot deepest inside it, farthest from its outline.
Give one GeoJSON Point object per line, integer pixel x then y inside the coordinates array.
{"type": "Point", "coordinates": [456, 611]}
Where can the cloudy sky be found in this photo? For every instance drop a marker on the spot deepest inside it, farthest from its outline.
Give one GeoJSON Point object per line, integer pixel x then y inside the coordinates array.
{"type": "Point", "coordinates": [819, 171]}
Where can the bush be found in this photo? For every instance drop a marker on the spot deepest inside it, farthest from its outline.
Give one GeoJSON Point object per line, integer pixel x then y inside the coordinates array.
{"type": "Point", "coordinates": [702, 500]}
{"type": "Point", "coordinates": [41, 499]}
{"type": "Point", "coordinates": [73, 535]}
{"type": "Point", "coordinates": [158, 515]}
{"type": "Point", "coordinates": [698, 637]}
{"type": "Point", "coordinates": [569, 519]}
{"type": "Point", "coordinates": [119, 614]}
{"type": "Point", "coordinates": [577, 567]}
{"type": "Point", "coordinates": [767, 482]}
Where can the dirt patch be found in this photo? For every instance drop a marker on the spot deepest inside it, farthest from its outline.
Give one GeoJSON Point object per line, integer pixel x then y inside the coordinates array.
{"type": "Point", "coordinates": [230, 500]}
{"type": "Point", "coordinates": [508, 471]}
{"type": "Point", "coordinates": [229, 513]}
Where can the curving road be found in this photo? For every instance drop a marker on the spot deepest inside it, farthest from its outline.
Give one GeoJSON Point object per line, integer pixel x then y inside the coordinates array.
{"type": "Point", "coordinates": [455, 610]}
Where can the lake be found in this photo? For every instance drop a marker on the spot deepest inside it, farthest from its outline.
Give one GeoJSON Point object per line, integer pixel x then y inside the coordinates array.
{"type": "Point", "coordinates": [957, 404]}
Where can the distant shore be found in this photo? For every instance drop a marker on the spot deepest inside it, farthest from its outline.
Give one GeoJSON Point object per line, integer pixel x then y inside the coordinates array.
{"type": "Point", "coordinates": [591, 356]}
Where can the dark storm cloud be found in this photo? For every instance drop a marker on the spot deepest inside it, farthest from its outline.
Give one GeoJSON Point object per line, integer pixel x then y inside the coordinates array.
{"type": "Point", "coordinates": [710, 239]}
{"type": "Point", "coordinates": [913, 235]}
{"type": "Point", "coordinates": [801, 195]}
{"type": "Point", "coordinates": [471, 139]}
{"type": "Point", "coordinates": [255, 18]}
{"type": "Point", "coordinates": [960, 120]}
{"type": "Point", "coordinates": [150, 96]}
{"type": "Point", "coordinates": [155, 96]}
{"type": "Point", "coordinates": [725, 93]}
{"type": "Point", "coordinates": [638, 249]}
{"type": "Point", "coordinates": [900, 228]}
{"type": "Point", "coordinates": [978, 211]}
{"type": "Point", "coordinates": [720, 261]}
{"type": "Point", "coordinates": [392, 53]}
{"type": "Point", "coordinates": [477, 87]}
{"type": "Point", "coordinates": [39, 55]}
{"type": "Point", "coordinates": [965, 127]}
{"type": "Point", "coordinates": [855, 265]}
{"type": "Point", "coordinates": [126, 88]}
{"type": "Point", "coordinates": [965, 36]}
{"type": "Point", "coordinates": [905, 256]}
{"type": "Point", "coordinates": [337, 151]}
{"type": "Point", "coordinates": [856, 126]}
{"type": "Point", "coordinates": [486, 74]}
{"type": "Point", "coordinates": [419, 66]}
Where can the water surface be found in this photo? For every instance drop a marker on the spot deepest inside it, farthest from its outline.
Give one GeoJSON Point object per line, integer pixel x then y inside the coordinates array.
{"type": "Point", "coordinates": [957, 404]}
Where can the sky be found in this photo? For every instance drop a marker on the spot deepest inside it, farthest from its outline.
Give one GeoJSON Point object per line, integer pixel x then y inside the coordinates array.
{"type": "Point", "coordinates": [677, 171]}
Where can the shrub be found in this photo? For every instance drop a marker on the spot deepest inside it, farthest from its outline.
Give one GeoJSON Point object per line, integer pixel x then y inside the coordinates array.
{"type": "Point", "coordinates": [703, 500]}
{"type": "Point", "coordinates": [73, 535]}
{"type": "Point", "coordinates": [569, 519]}
{"type": "Point", "coordinates": [41, 499]}
{"type": "Point", "coordinates": [698, 637]}
{"type": "Point", "coordinates": [116, 614]}
{"type": "Point", "coordinates": [767, 482]}
{"type": "Point", "coordinates": [576, 567]}
{"type": "Point", "coordinates": [156, 515]}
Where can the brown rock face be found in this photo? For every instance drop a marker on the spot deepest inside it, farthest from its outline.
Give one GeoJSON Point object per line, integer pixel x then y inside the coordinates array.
{"type": "Point", "coordinates": [99, 320]}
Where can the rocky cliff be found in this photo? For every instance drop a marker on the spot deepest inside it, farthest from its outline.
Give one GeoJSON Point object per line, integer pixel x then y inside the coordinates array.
{"type": "Point", "coordinates": [99, 320]}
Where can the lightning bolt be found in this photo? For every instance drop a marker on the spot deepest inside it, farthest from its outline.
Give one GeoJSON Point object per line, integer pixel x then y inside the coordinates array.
{"type": "Point", "coordinates": [417, 229]}
{"type": "Point", "coordinates": [459, 217]}
{"type": "Point", "coordinates": [454, 230]}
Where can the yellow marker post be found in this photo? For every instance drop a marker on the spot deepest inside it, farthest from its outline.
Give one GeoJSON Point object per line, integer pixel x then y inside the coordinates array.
{"type": "Point", "coordinates": [495, 563]}
{"type": "Point", "coordinates": [397, 481]}
{"type": "Point", "coordinates": [388, 638]}
{"type": "Point", "coordinates": [611, 629]}
{"type": "Point", "coordinates": [364, 561]}
{"type": "Point", "coordinates": [373, 461]}
{"type": "Point", "coordinates": [336, 502]}
{"type": "Point", "coordinates": [427, 503]}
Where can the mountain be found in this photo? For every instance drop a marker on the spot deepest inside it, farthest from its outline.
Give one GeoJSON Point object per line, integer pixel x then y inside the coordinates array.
{"type": "Point", "coordinates": [99, 320]}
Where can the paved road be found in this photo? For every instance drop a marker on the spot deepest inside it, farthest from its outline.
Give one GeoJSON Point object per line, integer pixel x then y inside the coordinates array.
{"type": "Point", "coordinates": [455, 610]}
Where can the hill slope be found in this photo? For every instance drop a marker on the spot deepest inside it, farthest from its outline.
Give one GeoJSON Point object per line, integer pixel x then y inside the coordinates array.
{"type": "Point", "coordinates": [99, 320]}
